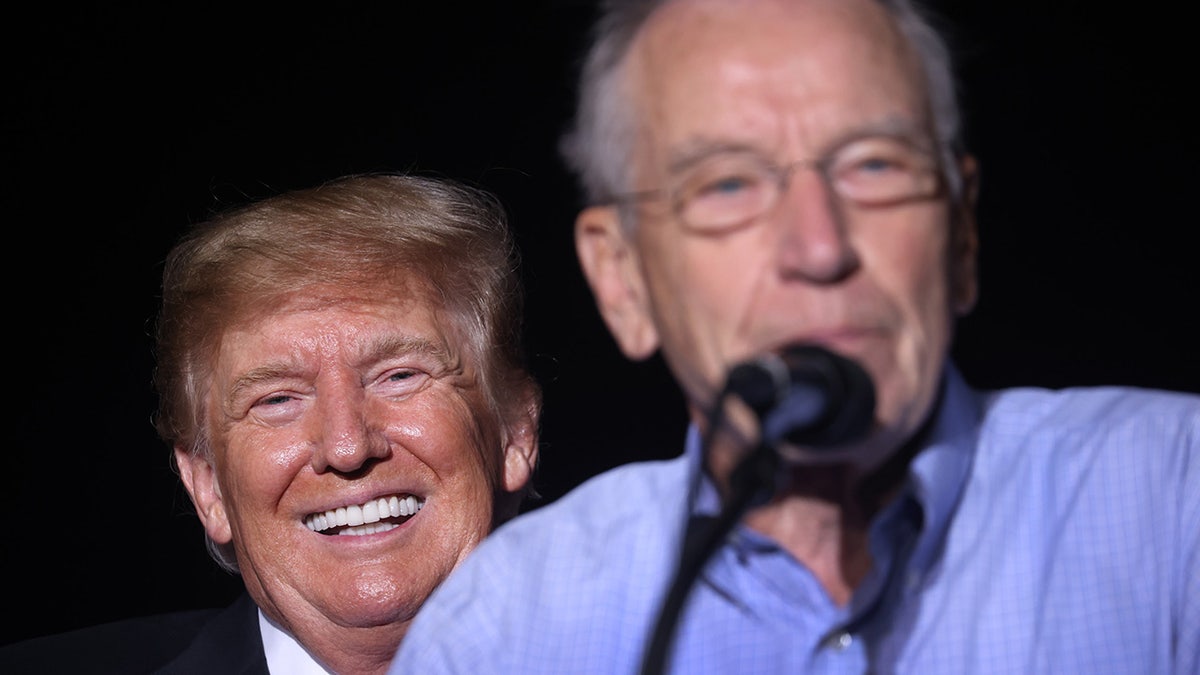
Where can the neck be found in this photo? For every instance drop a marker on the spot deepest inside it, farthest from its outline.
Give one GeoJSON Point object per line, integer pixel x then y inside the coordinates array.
{"type": "Point", "coordinates": [818, 519]}
{"type": "Point", "coordinates": [821, 514]}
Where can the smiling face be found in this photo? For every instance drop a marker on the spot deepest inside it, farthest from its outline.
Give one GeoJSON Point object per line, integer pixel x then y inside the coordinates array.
{"type": "Point", "coordinates": [877, 283]}
{"type": "Point", "coordinates": [355, 461]}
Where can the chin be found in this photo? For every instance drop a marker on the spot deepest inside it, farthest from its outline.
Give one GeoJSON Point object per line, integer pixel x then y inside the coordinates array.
{"type": "Point", "coordinates": [378, 601]}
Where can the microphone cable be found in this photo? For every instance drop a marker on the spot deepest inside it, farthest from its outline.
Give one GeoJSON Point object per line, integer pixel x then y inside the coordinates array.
{"type": "Point", "coordinates": [750, 483]}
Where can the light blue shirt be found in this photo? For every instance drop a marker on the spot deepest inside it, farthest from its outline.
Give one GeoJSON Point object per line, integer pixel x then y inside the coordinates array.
{"type": "Point", "coordinates": [1051, 532]}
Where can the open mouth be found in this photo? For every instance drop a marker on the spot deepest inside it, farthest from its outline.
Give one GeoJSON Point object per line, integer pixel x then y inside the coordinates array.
{"type": "Point", "coordinates": [374, 516]}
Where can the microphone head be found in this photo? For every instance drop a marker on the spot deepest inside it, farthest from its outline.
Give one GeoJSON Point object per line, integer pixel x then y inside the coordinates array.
{"type": "Point", "coordinates": [807, 396]}
{"type": "Point", "coordinates": [849, 398]}
{"type": "Point", "coordinates": [760, 383]}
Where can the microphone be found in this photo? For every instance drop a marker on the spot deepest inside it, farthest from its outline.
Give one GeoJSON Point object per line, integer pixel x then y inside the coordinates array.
{"type": "Point", "coordinates": [805, 395]}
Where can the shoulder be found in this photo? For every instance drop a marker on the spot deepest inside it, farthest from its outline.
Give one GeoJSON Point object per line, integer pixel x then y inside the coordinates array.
{"type": "Point", "coordinates": [1123, 451]}
{"type": "Point", "coordinates": [560, 580]}
{"type": "Point", "coordinates": [623, 504]}
{"type": "Point", "coordinates": [1075, 535]}
{"type": "Point", "coordinates": [1165, 423]}
{"type": "Point", "coordinates": [1078, 408]}
{"type": "Point", "coordinates": [192, 641]}
{"type": "Point", "coordinates": [620, 507]}
{"type": "Point", "coordinates": [135, 645]}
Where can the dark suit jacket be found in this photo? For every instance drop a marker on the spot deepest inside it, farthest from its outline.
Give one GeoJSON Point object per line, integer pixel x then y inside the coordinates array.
{"type": "Point", "coordinates": [206, 641]}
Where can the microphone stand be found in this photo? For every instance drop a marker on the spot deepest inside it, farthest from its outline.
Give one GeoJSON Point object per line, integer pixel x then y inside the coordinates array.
{"type": "Point", "coordinates": [793, 392]}
{"type": "Point", "coordinates": [752, 481]}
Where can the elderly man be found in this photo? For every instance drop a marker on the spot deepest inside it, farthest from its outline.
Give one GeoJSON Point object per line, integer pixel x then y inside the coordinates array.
{"type": "Point", "coordinates": [774, 176]}
{"type": "Point", "coordinates": [342, 382]}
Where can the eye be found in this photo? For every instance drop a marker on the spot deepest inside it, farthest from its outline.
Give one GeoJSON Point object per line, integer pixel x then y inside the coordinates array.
{"type": "Point", "coordinates": [724, 180]}
{"type": "Point", "coordinates": [277, 408]}
{"type": "Point", "coordinates": [725, 185]}
{"type": "Point", "coordinates": [878, 164]}
{"type": "Point", "coordinates": [874, 155]}
{"type": "Point", "coordinates": [875, 161]}
{"type": "Point", "coordinates": [877, 171]}
{"type": "Point", "coordinates": [401, 382]}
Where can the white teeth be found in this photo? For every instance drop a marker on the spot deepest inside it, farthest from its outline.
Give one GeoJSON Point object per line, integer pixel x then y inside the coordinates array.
{"type": "Point", "coordinates": [368, 529]}
{"type": "Point", "coordinates": [365, 518]}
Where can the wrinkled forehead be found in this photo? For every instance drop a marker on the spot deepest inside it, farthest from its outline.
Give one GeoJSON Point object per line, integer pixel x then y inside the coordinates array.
{"type": "Point", "coordinates": [408, 300]}
{"type": "Point", "coordinates": [772, 73]}
{"type": "Point", "coordinates": [358, 325]}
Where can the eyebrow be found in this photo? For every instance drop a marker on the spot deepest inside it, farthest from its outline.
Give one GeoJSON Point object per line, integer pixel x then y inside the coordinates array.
{"type": "Point", "coordinates": [696, 150]}
{"type": "Point", "coordinates": [898, 128]}
{"type": "Point", "coordinates": [266, 373]}
{"type": "Point", "coordinates": [388, 346]}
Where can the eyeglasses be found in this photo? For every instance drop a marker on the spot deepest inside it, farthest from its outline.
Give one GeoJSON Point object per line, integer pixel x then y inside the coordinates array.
{"type": "Point", "coordinates": [723, 190]}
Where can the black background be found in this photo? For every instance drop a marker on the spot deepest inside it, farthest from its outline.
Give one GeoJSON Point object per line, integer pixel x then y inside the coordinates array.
{"type": "Point", "coordinates": [120, 128]}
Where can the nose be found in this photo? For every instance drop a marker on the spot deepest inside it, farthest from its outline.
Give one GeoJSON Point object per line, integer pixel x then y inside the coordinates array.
{"type": "Point", "coordinates": [344, 434]}
{"type": "Point", "coordinates": [814, 244]}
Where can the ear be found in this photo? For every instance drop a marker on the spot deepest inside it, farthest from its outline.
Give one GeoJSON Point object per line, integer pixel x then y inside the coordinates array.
{"type": "Point", "coordinates": [521, 446]}
{"type": "Point", "coordinates": [200, 479]}
{"type": "Point", "coordinates": [610, 264]}
{"type": "Point", "coordinates": [964, 250]}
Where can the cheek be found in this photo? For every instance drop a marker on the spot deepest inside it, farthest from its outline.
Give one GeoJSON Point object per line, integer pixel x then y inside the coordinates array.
{"type": "Point", "coordinates": [457, 445]}
{"type": "Point", "coordinates": [909, 260]}
{"type": "Point", "coordinates": [704, 304]}
{"type": "Point", "coordinates": [929, 289]}
{"type": "Point", "coordinates": [258, 465]}
{"type": "Point", "coordinates": [914, 272]}
{"type": "Point", "coordinates": [457, 452]}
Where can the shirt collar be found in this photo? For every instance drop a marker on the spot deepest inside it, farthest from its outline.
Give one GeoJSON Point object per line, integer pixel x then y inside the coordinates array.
{"type": "Point", "coordinates": [703, 498]}
{"type": "Point", "coordinates": [936, 475]}
{"type": "Point", "coordinates": [284, 653]}
{"type": "Point", "coordinates": [939, 471]}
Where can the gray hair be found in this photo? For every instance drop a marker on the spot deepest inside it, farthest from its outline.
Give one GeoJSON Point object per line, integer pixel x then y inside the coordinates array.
{"type": "Point", "coordinates": [598, 146]}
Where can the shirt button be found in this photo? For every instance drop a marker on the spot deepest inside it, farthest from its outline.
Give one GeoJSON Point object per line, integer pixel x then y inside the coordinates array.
{"type": "Point", "coordinates": [841, 641]}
